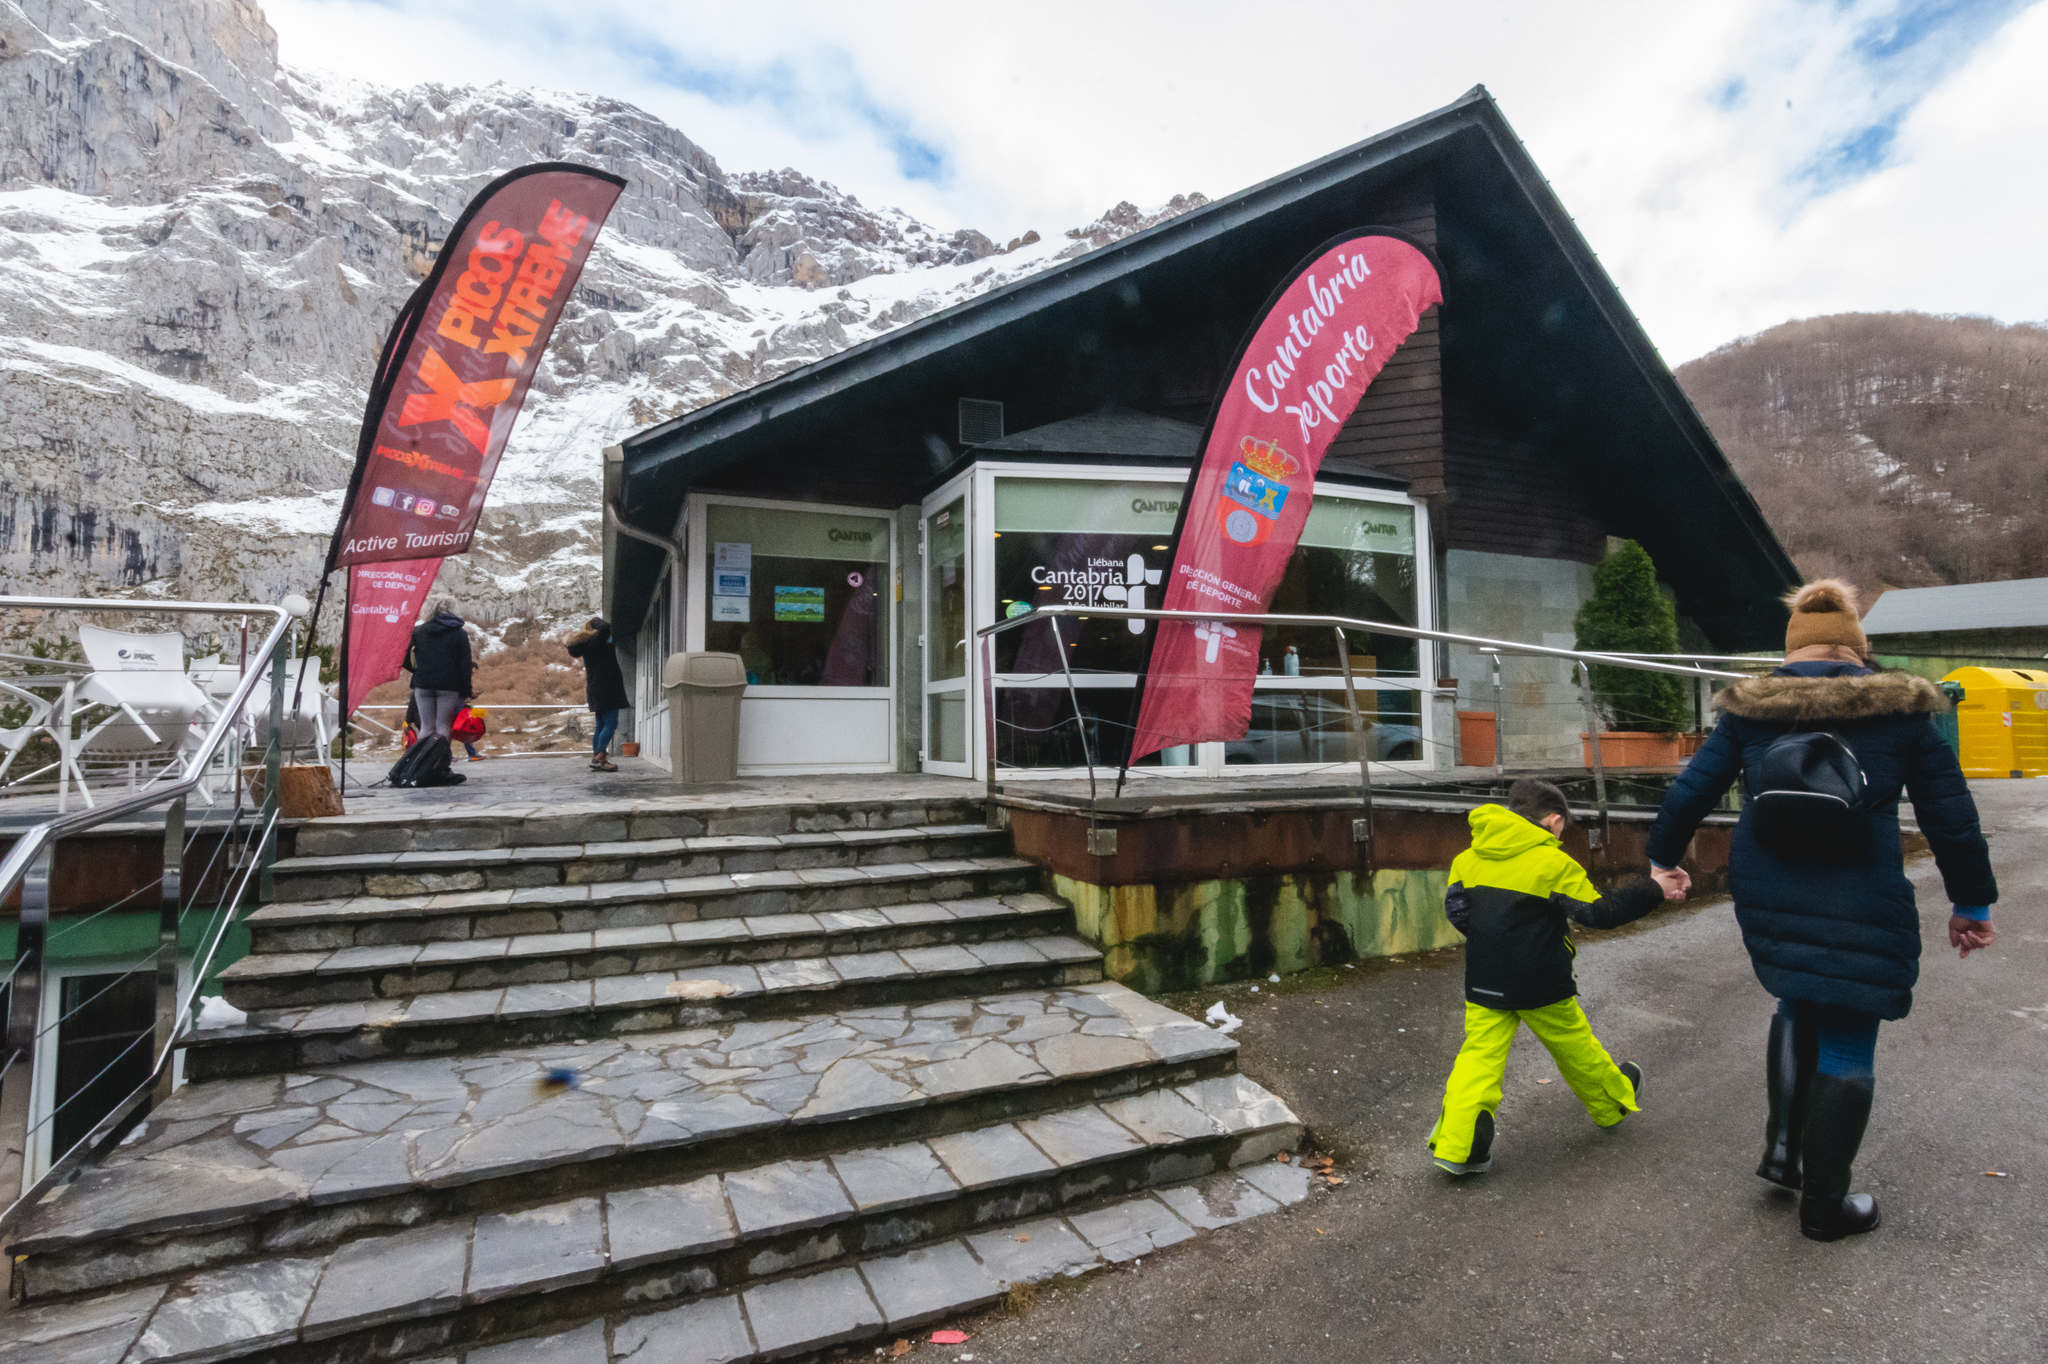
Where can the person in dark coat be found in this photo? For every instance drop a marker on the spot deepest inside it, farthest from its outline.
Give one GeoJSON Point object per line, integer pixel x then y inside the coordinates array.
{"type": "Point", "coordinates": [604, 686]}
{"type": "Point", "coordinates": [1832, 931]}
{"type": "Point", "coordinates": [443, 672]}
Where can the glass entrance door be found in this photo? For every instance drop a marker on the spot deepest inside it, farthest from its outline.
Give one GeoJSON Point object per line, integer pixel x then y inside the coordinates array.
{"type": "Point", "coordinates": [948, 640]}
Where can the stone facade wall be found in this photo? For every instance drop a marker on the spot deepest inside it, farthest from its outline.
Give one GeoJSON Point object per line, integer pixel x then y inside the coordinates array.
{"type": "Point", "coordinates": [1529, 600]}
{"type": "Point", "coordinates": [1179, 936]}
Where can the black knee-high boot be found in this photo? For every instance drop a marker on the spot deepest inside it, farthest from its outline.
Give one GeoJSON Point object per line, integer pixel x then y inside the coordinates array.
{"type": "Point", "coordinates": [1837, 1111]}
{"type": "Point", "coordinates": [1788, 1073]}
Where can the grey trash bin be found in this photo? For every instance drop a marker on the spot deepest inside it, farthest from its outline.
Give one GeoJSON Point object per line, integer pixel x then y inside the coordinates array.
{"type": "Point", "coordinates": [704, 715]}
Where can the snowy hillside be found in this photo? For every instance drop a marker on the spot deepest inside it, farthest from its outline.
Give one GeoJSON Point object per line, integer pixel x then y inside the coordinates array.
{"type": "Point", "coordinates": [201, 250]}
{"type": "Point", "coordinates": [1895, 449]}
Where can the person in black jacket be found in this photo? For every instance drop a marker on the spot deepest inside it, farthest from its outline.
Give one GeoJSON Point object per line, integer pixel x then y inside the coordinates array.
{"type": "Point", "coordinates": [1831, 927]}
{"type": "Point", "coordinates": [443, 672]}
{"type": "Point", "coordinates": [604, 686]}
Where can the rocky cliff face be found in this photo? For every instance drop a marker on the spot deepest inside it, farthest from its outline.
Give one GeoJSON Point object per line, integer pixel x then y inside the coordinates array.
{"type": "Point", "coordinates": [201, 250]}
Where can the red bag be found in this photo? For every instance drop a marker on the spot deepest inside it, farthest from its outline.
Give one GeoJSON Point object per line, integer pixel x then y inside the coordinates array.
{"type": "Point", "coordinates": [468, 726]}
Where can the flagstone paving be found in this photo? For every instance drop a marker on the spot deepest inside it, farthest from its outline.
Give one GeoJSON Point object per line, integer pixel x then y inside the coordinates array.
{"type": "Point", "coordinates": [883, 1141]}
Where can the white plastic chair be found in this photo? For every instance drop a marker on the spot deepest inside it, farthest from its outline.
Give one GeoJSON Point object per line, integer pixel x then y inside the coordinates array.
{"type": "Point", "coordinates": [38, 721]}
{"type": "Point", "coordinates": [141, 678]}
{"type": "Point", "coordinates": [312, 724]}
{"type": "Point", "coordinates": [215, 676]}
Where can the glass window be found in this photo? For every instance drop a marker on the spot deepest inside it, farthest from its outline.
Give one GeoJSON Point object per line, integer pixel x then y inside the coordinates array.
{"type": "Point", "coordinates": [1084, 543]}
{"type": "Point", "coordinates": [946, 590]}
{"type": "Point", "coordinates": [1080, 542]}
{"type": "Point", "coordinates": [1315, 727]}
{"type": "Point", "coordinates": [1035, 727]}
{"type": "Point", "coordinates": [1355, 559]}
{"type": "Point", "coordinates": [100, 1059]}
{"type": "Point", "coordinates": [799, 595]}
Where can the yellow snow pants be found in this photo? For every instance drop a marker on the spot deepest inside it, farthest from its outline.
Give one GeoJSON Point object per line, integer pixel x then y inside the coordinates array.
{"type": "Point", "coordinates": [1483, 1061]}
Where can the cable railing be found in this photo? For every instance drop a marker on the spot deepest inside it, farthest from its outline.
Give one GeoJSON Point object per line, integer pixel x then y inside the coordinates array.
{"type": "Point", "coordinates": [244, 847]}
{"type": "Point", "coordinates": [1356, 720]}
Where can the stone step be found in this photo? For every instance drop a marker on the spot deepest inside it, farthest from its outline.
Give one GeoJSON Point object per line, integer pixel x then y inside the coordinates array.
{"type": "Point", "coordinates": [565, 1009]}
{"type": "Point", "coordinates": [378, 921]}
{"type": "Point", "coordinates": [387, 872]}
{"type": "Point", "coordinates": [283, 1165]}
{"type": "Point", "coordinates": [652, 1274]}
{"type": "Point", "coordinates": [684, 817]}
{"type": "Point", "coordinates": [277, 980]}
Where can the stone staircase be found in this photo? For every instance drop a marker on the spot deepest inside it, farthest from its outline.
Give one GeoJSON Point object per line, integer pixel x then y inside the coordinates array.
{"type": "Point", "coordinates": [734, 1085]}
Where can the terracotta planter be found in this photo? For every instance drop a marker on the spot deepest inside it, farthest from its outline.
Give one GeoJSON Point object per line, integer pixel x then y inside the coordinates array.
{"type": "Point", "coordinates": [629, 749]}
{"type": "Point", "coordinates": [1478, 738]}
{"type": "Point", "coordinates": [1689, 744]}
{"type": "Point", "coordinates": [1632, 748]}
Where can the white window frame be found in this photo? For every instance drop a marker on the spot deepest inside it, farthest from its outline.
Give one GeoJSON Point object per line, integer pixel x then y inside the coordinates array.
{"type": "Point", "coordinates": [1209, 762]}
{"type": "Point", "coordinates": [962, 487]}
{"type": "Point", "coordinates": [698, 607]}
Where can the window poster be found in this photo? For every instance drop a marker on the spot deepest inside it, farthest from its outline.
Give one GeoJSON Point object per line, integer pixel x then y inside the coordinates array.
{"type": "Point", "coordinates": [734, 555]}
{"type": "Point", "coordinates": [735, 609]}
{"type": "Point", "coordinates": [802, 604]}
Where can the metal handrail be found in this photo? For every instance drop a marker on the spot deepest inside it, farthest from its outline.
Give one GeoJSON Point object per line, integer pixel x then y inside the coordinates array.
{"type": "Point", "coordinates": [1683, 665]}
{"type": "Point", "coordinates": [1377, 627]}
{"type": "Point", "coordinates": [27, 865]}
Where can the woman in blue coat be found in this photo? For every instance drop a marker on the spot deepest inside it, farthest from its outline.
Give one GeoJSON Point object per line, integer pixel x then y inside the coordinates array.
{"type": "Point", "coordinates": [1831, 925]}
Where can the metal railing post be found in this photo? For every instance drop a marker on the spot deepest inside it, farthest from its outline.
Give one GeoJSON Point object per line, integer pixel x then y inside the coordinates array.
{"type": "Point", "coordinates": [273, 761]}
{"type": "Point", "coordinates": [24, 1012]}
{"type": "Point", "coordinates": [988, 708]}
{"type": "Point", "coordinates": [1500, 718]}
{"type": "Point", "coordinates": [64, 754]}
{"type": "Point", "coordinates": [1361, 828]}
{"type": "Point", "coordinates": [169, 904]}
{"type": "Point", "coordinates": [1598, 836]}
{"type": "Point", "coordinates": [1080, 721]}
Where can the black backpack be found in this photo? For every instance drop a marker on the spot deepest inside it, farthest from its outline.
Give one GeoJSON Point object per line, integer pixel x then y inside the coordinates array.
{"type": "Point", "coordinates": [425, 764]}
{"type": "Point", "coordinates": [1808, 800]}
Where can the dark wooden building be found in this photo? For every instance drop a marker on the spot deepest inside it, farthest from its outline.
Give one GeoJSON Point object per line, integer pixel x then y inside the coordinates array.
{"type": "Point", "coordinates": [846, 527]}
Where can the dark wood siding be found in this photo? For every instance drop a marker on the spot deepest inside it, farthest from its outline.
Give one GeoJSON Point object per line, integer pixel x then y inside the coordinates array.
{"type": "Point", "coordinates": [1488, 485]}
{"type": "Point", "coordinates": [1511, 494]}
{"type": "Point", "coordinates": [1398, 430]}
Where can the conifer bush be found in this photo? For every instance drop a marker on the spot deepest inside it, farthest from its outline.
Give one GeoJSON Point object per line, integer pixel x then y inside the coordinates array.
{"type": "Point", "coordinates": [1628, 613]}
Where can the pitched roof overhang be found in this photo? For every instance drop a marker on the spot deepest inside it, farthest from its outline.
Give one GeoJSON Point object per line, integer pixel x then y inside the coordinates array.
{"type": "Point", "coordinates": [1532, 324]}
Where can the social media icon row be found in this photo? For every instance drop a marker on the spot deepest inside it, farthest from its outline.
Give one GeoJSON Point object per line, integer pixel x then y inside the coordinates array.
{"type": "Point", "coordinates": [414, 503]}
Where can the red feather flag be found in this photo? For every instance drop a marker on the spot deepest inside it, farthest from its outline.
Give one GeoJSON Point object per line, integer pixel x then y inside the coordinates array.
{"type": "Point", "coordinates": [454, 373]}
{"type": "Point", "coordinates": [1321, 339]}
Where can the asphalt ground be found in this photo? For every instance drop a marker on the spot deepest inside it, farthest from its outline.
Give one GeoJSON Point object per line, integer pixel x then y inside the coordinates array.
{"type": "Point", "coordinates": [1653, 1241]}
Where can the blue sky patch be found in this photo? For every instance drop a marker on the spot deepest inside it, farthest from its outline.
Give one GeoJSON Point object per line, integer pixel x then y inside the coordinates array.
{"type": "Point", "coordinates": [1863, 152]}
{"type": "Point", "coordinates": [1916, 23]}
{"type": "Point", "coordinates": [1732, 93]}
{"type": "Point", "coordinates": [817, 107]}
{"type": "Point", "coordinates": [1903, 55]}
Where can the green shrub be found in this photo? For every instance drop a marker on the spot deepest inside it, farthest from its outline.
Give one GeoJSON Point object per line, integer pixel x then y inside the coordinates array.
{"type": "Point", "coordinates": [1628, 613]}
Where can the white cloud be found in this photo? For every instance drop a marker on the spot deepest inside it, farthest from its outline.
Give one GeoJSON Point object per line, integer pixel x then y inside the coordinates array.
{"type": "Point", "coordinates": [1045, 117]}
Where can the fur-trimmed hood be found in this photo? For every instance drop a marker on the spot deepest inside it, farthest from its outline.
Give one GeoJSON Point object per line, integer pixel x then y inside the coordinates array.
{"type": "Point", "coordinates": [1811, 700]}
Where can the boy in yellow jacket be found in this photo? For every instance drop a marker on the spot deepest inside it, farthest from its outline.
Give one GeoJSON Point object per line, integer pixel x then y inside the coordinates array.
{"type": "Point", "coordinates": [1513, 894]}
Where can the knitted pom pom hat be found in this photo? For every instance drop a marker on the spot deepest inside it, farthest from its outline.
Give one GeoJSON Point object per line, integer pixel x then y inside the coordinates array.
{"type": "Point", "coordinates": [1825, 612]}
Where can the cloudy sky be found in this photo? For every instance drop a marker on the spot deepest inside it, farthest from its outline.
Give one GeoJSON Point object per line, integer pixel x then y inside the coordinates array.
{"type": "Point", "coordinates": [1735, 163]}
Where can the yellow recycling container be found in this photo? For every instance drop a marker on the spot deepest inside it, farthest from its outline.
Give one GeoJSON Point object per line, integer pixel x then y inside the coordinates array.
{"type": "Point", "coordinates": [2002, 722]}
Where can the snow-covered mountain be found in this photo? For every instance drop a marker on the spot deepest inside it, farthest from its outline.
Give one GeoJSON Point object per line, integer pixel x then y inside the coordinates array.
{"type": "Point", "coordinates": [201, 250]}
